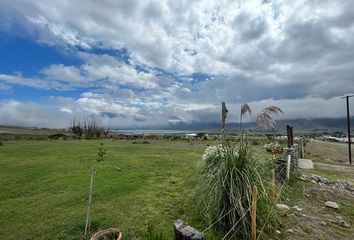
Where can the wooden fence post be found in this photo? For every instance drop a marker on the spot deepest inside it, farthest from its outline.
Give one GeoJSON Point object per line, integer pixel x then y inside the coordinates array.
{"type": "Point", "coordinates": [292, 135]}
{"type": "Point", "coordinates": [288, 166]}
{"type": "Point", "coordinates": [223, 119]}
{"type": "Point", "coordinates": [273, 185]}
{"type": "Point", "coordinates": [254, 213]}
{"type": "Point", "coordinates": [288, 135]}
{"type": "Point", "coordinates": [302, 147]}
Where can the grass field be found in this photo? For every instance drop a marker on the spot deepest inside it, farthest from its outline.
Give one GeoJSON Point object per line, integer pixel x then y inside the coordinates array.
{"type": "Point", "coordinates": [44, 187]}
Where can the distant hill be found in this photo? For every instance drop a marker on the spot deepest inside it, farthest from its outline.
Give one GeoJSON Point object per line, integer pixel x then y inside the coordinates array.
{"type": "Point", "coordinates": [300, 125]}
{"type": "Point", "coordinates": [320, 124]}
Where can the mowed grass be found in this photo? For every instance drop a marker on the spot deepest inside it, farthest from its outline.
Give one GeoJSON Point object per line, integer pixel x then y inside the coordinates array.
{"type": "Point", "coordinates": [44, 187]}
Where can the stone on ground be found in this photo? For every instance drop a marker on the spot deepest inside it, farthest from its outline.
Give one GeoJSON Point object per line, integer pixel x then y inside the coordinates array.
{"type": "Point", "coordinates": [333, 205]}
{"type": "Point", "coordinates": [323, 223]}
{"type": "Point", "coordinates": [305, 163]}
{"type": "Point", "coordinates": [185, 232]}
{"type": "Point", "coordinates": [299, 209]}
{"type": "Point", "coordinates": [283, 207]}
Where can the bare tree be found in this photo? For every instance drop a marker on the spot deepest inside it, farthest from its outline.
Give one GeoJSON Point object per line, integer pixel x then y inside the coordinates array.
{"type": "Point", "coordinates": [265, 117]}
{"type": "Point", "coordinates": [106, 131]}
{"type": "Point", "coordinates": [245, 109]}
{"type": "Point", "coordinates": [92, 127]}
{"type": "Point", "coordinates": [76, 128]}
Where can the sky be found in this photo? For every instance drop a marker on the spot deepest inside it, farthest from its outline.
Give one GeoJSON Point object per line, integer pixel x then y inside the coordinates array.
{"type": "Point", "coordinates": [154, 63]}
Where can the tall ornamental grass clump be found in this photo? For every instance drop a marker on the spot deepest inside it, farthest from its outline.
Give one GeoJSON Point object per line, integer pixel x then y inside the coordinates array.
{"type": "Point", "coordinates": [229, 172]}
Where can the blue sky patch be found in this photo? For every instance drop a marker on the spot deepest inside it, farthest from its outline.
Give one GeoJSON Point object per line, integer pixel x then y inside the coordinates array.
{"type": "Point", "coordinates": [29, 57]}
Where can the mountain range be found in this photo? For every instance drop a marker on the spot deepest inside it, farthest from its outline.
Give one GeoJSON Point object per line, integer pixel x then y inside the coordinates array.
{"type": "Point", "coordinates": [300, 124]}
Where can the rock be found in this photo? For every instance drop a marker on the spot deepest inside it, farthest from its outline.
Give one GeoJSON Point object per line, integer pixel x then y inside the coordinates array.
{"type": "Point", "coordinates": [339, 186]}
{"type": "Point", "coordinates": [299, 209]}
{"type": "Point", "coordinates": [323, 223]}
{"type": "Point", "coordinates": [342, 223]}
{"type": "Point", "coordinates": [303, 178]}
{"type": "Point", "coordinates": [185, 232]}
{"type": "Point", "coordinates": [313, 181]}
{"type": "Point", "coordinates": [112, 233]}
{"type": "Point", "coordinates": [283, 207]}
{"type": "Point", "coordinates": [333, 205]}
{"type": "Point", "coordinates": [318, 179]}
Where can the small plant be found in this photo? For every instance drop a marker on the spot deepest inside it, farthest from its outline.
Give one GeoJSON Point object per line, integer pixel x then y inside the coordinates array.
{"type": "Point", "coordinates": [101, 153]}
{"type": "Point", "coordinates": [153, 234]}
{"type": "Point", "coordinates": [100, 157]}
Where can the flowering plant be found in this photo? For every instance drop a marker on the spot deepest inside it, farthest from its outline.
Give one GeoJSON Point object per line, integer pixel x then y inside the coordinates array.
{"type": "Point", "coordinates": [273, 148]}
{"type": "Point", "coordinates": [216, 151]}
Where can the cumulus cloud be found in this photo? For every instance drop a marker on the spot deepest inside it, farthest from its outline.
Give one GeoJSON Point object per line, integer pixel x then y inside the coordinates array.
{"type": "Point", "coordinates": [298, 53]}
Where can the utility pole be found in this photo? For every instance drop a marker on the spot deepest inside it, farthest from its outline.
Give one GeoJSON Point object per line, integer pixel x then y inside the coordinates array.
{"type": "Point", "coordinates": [348, 123]}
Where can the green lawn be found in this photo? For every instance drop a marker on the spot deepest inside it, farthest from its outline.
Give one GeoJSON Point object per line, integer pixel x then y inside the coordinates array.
{"type": "Point", "coordinates": [44, 187]}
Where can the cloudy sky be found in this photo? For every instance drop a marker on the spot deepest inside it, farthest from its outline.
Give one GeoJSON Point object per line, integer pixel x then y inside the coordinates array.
{"type": "Point", "coordinates": [153, 63]}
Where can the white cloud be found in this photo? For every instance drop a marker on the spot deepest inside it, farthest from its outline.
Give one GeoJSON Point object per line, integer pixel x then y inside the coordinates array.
{"type": "Point", "coordinates": [114, 114]}
{"type": "Point", "coordinates": [18, 79]}
{"type": "Point", "coordinates": [296, 52]}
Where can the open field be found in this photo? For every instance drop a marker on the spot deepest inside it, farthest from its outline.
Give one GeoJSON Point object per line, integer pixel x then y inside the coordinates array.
{"type": "Point", "coordinates": [44, 186]}
{"type": "Point", "coordinates": [44, 189]}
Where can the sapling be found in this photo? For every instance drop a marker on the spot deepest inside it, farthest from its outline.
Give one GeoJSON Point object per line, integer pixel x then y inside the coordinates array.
{"type": "Point", "coordinates": [99, 159]}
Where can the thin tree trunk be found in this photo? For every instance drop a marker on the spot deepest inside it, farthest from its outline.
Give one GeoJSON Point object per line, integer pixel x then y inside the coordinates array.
{"type": "Point", "coordinates": [88, 216]}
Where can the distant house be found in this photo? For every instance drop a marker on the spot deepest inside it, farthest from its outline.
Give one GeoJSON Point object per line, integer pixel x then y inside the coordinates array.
{"type": "Point", "coordinates": [191, 136]}
{"type": "Point", "coordinates": [336, 139]}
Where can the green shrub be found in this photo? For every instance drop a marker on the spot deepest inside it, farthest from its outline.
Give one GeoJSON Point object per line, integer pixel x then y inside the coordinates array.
{"type": "Point", "coordinates": [228, 174]}
{"type": "Point", "coordinates": [57, 136]}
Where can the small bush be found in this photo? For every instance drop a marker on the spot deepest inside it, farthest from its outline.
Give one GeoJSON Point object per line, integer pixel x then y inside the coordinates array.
{"type": "Point", "coordinates": [228, 174]}
{"type": "Point", "coordinates": [57, 136]}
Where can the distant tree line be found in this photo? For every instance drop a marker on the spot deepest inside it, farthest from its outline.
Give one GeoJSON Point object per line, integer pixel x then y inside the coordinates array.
{"type": "Point", "coordinates": [89, 127]}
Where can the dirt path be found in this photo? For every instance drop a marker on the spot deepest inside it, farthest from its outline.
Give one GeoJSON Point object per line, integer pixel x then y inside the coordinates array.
{"type": "Point", "coordinates": [315, 221]}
